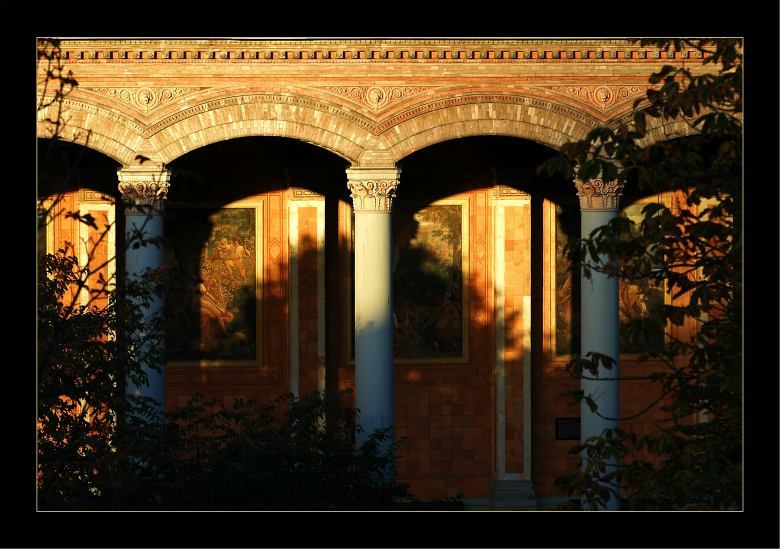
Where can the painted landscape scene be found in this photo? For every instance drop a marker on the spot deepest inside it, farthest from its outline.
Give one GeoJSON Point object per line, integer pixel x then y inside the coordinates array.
{"type": "Point", "coordinates": [213, 313]}
{"type": "Point", "coordinates": [428, 281]}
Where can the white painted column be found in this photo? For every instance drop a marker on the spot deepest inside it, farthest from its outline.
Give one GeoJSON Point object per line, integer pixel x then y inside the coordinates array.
{"type": "Point", "coordinates": [373, 190]}
{"type": "Point", "coordinates": [144, 190]}
{"type": "Point", "coordinates": [599, 203]}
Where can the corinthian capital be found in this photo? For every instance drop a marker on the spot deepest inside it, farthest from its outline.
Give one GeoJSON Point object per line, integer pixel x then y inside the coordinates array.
{"type": "Point", "coordinates": [144, 184]}
{"type": "Point", "coordinates": [597, 194]}
{"type": "Point", "coordinates": [373, 189]}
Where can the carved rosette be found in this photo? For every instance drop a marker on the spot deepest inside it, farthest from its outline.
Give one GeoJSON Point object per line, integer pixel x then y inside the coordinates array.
{"type": "Point", "coordinates": [376, 97]}
{"type": "Point", "coordinates": [604, 97]}
{"type": "Point", "coordinates": [141, 185]}
{"type": "Point", "coordinates": [144, 99]}
{"type": "Point", "coordinates": [373, 190]}
{"type": "Point", "coordinates": [597, 194]}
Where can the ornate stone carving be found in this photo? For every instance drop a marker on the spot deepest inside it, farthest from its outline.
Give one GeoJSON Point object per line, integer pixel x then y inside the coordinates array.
{"type": "Point", "coordinates": [94, 196]}
{"type": "Point", "coordinates": [304, 194]}
{"type": "Point", "coordinates": [376, 97]}
{"type": "Point", "coordinates": [508, 193]}
{"type": "Point", "coordinates": [446, 102]}
{"type": "Point", "coordinates": [144, 185]}
{"type": "Point", "coordinates": [374, 195]}
{"type": "Point", "coordinates": [603, 97]}
{"type": "Point", "coordinates": [373, 190]}
{"type": "Point", "coordinates": [597, 194]}
{"type": "Point", "coordinates": [144, 99]}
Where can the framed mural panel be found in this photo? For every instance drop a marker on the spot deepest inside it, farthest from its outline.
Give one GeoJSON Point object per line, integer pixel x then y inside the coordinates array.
{"type": "Point", "coordinates": [214, 309]}
{"type": "Point", "coordinates": [636, 299]}
{"type": "Point", "coordinates": [566, 314]}
{"type": "Point", "coordinates": [430, 280]}
{"type": "Point", "coordinates": [640, 299]}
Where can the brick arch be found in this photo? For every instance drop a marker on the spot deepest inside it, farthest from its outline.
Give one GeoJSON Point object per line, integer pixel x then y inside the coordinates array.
{"type": "Point", "coordinates": [90, 126]}
{"type": "Point", "coordinates": [244, 116]}
{"type": "Point", "coordinates": [662, 131]}
{"type": "Point", "coordinates": [542, 121]}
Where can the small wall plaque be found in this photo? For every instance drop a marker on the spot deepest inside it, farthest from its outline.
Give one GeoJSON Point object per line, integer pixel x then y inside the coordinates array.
{"type": "Point", "coordinates": [567, 428]}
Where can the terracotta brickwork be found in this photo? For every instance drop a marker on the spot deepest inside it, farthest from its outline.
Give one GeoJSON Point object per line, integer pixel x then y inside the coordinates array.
{"type": "Point", "coordinates": [374, 103]}
{"type": "Point", "coordinates": [550, 455]}
{"type": "Point", "coordinates": [151, 97]}
{"type": "Point", "coordinates": [517, 286]}
{"type": "Point", "coordinates": [269, 377]}
{"type": "Point", "coordinates": [449, 446]}
{"type": "Point", "coordinates": [66, 229]}
{"type": "Point", "coordinates": [91, 243]}
{"type": "Point", "coordinates": [99, 256]}
{"type": "Point", "coordinates": [446, 410]}
{"type": "Point", "coordinates": [307, 299]}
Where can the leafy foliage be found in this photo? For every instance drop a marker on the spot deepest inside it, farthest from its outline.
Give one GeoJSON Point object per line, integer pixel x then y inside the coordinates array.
{"type": "Point", "coordinates": [85, 354]}
{"type": "Point", "coordinates": [100, 449]}
{"type": "Point", "coordinates": [258, 457]}
{"type": "Point", "coordinates": [692, 460]}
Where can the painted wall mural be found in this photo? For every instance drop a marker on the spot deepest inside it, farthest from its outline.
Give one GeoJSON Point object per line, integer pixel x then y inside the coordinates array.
{"type": "Point", "coordinates": [428, 286]}
{"type": "Point", "coordinates": [567, 318]}
{"type": "Point", "coordinates": [639, 299]}
{"type": "Point", "coordinates": [213, 312]}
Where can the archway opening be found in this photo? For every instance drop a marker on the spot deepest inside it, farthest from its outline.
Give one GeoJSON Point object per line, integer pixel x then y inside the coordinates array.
{"type": "Point", "coordinates": [251, 223]}
{"type": "Point", "coordinates": [78, 214]}
{"type": "Point", "coordinates": [468, 251]}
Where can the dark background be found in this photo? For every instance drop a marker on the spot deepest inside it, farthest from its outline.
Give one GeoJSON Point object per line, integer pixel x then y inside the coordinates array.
{"type": "Point", "coordinates": [21, 22]}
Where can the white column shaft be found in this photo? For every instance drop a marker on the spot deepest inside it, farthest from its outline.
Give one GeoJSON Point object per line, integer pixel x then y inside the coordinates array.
{"type": "Point", "coordinates": [144, 189]}
{"type": "Point", "coordinates": [139, 260]}
{"type": "Point", "coordinates": [600, 333]}
{"type": "Point", "coordinates": [373, 321]}
{"type": "Point", "coordinates": [372, 191]}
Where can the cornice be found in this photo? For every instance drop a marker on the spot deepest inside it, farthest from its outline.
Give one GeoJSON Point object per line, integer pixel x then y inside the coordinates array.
{"type": "Point", "coordinates": [364, 51]}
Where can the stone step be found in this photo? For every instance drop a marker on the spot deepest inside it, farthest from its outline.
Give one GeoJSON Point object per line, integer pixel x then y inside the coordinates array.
{"type": "Point", "coordinates": [513, 494]}
{"type": "Point", "coordinates": [519, 505]}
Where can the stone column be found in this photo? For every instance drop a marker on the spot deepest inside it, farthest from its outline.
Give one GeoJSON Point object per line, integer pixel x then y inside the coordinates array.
{"type": "Point", "coordinates": [373, 191]}
{"type": "Point", "coordinates": [599, 203]}
{"type": "Point", "coordinates": [144, 190]}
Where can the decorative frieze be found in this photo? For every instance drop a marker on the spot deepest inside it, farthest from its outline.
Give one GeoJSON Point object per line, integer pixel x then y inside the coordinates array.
{"type": "Point", "coordinates": [375, 97]}
{"type": "Point", "coordinates": [144, 99]}
{"type": "Point", "coordinates": [502, 192]}
{"type": "Point", "coordinates": [144, 185]}
{"type": "Point", "coordinates": [602, 97]}
{"type": "Point", "coordinates": [597, 194]}
{"type": "Point", "coordinates": [304, 194]}
{"type": "Point", "coordinates": [367, 51]}
{"type": "Point", "coordinates": [86, 195]}
{"type": "Point", "coordinates": [373, 190]}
